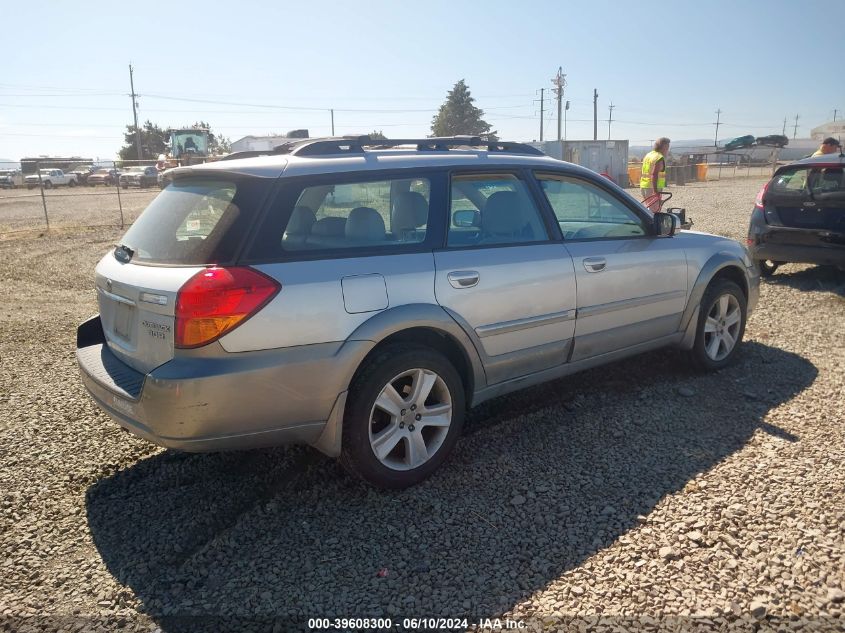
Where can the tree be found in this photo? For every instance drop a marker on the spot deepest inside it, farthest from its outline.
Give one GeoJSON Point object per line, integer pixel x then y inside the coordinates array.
{"type": "Point", "coordinates": [153, 141]}
{"type": "Point", "coordinates": [377, 135]}
{"type": "Point", "coordinates": [458, 115]}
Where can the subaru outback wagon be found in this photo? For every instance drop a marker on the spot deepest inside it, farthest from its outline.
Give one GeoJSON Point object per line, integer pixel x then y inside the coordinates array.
{"type": "Point", "coordinates": [358, 295]}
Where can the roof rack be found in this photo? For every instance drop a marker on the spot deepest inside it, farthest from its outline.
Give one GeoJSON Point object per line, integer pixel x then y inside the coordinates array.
{"type": "Point", "coordinates": [359, 144]}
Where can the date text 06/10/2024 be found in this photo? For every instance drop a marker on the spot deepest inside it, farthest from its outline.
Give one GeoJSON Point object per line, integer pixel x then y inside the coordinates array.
{"type": "Point", "coordinates": [413, 624]}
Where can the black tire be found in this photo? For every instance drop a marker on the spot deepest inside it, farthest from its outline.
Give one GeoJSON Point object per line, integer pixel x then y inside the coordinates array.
{"type": "Point", "coordinates": [768, 267]}
{"type": "Point", "coordinates": [72, 183]}
{"type": "Point", "coordinates": [30, 186]}
{"type": "Point", "coordinates": [48, 185]}
{"type": "Point", "coordinates": [357, 455]}
{"type": "Point", "coordinates": [698, 354]}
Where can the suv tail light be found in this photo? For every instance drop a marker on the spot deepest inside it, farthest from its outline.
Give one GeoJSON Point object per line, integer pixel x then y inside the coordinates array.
{"type": "Point", "coordinates": [216, 300]}
{"type": "Point", "coordinates": [758, 203]}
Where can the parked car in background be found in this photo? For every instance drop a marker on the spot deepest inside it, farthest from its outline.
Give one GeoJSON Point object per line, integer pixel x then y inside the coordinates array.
{"type": "Point", "coordinates": [103, 176]}
{"type": "Point", "coordinates": [138, 177]}
{"type": "Point", "coordinates": [799, 215]}
{"type": "Point", "coordinates": [358, 295]}
{"type": "Point", "coordinates": [82, 173]}
{"type": "Point", "coordinates": [10, 178]}
{"type": "Point", "coordinates": [774, 140]}
{"type": "Point", "coordinates": [740, 142]}
{"type": "Point", "coordinates": [50, 178]}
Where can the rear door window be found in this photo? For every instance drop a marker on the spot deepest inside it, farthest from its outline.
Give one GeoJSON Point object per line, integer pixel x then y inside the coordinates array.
{"type": "Point", "coordinates": [348, 214]}
{"type": "Point", "coordinates": [196, 221]}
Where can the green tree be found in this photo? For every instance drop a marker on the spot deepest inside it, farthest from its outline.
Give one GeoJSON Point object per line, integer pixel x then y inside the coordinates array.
{"type": "Point", "coordinates": [458, 115]}
{"type": "Point", "coordinates": [377, 135]}
{"type": "Point", "coordinates": [153, 142]}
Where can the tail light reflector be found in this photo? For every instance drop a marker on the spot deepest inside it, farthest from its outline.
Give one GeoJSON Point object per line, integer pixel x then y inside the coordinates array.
{"type": "Point", "coordinates": [758, 203]}
{"type": "Point", "coordinates": [216, 300]}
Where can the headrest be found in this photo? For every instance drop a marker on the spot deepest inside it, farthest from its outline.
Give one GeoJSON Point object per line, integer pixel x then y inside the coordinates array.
{"type": "Point", "coordinates": [503, 214]}
{"type": "Point", "coordinates": [329, 227]}
{"type": "Point", "coordinates": [365, 223]}
{"type": "Point", "coordinates": [301, 221]}
{"type": "Point", "coordinates": [410, 211]}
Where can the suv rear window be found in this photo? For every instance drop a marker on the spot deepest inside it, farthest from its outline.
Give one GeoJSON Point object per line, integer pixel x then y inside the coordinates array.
{"type": "Point", "coordinates": [195, 221]}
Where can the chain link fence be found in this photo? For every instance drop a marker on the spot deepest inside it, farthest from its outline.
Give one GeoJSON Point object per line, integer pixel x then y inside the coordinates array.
{"type": "Point", "coordinates": [74, 193]}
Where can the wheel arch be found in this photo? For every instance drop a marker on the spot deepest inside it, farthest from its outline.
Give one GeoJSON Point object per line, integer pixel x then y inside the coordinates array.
{"type": "Point", "coordinates": [722, 265]}
{"type": "Point", "coordinates": [421, 324]}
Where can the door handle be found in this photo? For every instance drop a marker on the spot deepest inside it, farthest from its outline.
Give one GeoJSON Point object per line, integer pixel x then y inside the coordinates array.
{"type": "Point", "coordinates": [595, 264]}
{"type": "Point", "coordinates": [463, 278]}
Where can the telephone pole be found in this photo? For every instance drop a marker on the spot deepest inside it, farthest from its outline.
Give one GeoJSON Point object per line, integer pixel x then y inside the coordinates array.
{"type": "Point", "coordinates": [332, 111]}
{"type": "Point", "coordinates": [795, 129]}
{"type": "Point", "coordinates": [834, 114]}
{"type": "Point", "coordinates": [609, 118]}
{"type": "Point", "coordinates": [784, 126]}
{"type": "Point", "coordinates": [559, 82]}
{"type": "Point", "coordinates": [135, 113]}
{"type": "Point", "coordinates": [595, 114]}
{"type": "Point", "coordinates": [542, 103]}
{"type": "Point", "coordinates": [718, 118]}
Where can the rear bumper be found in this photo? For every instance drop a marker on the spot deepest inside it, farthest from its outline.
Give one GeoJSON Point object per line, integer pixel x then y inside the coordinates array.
{"type": "Point", "coordinates": [794, 245]}
{"type": "Point", "coordinates": [218, 401]}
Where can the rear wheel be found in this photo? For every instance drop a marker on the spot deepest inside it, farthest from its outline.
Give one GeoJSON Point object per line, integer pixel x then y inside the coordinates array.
{"type": "Point", "coordinates": [72, 183]}
{"type": "Point", "coordinates": [403, 417]}
{"type": "Point", "coordinates": [721, 325]}
{"type": "Point", "coordinates": [768, 267]}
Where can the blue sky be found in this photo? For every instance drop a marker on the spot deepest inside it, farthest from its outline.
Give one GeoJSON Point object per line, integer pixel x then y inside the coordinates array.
{"type": "Point", "coordinates": [388, 65]}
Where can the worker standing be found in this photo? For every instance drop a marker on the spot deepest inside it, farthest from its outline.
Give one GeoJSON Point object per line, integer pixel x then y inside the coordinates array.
{"type": "Point", "coordinates": [828, 146]}
{"type": "Point", "coordinates": [653, 178]}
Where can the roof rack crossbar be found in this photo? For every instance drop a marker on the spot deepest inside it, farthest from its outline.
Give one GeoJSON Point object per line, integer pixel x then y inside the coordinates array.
{"type": "Point", "coordinates": [358, 144]}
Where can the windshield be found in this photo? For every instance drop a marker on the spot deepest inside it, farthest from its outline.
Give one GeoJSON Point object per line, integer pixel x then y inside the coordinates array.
{"type": "Point", "coordinates": [195, 221]}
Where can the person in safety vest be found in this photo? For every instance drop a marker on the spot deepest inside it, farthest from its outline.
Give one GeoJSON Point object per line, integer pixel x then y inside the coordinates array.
{"type": "Point", "coordinates": [828, 146]}
{"type": "Point", "coordinates": [653, 178]}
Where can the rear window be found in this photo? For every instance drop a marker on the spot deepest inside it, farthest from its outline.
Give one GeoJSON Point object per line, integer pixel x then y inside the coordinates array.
{"type": "Point", "coordinates": [195, 221]}
{"type": "Point", "coordinates": [805, 181]}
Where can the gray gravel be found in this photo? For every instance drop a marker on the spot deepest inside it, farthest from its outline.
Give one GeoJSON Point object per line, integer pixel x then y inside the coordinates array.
{"type": "Point", "coordinates": [641, 495]}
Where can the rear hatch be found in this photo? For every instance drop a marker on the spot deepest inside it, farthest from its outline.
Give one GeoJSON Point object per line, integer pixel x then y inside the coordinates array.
{"type": "Point", "coordinates": [198, 220]}
{"type": "Point", "coordinates": [807, 197]}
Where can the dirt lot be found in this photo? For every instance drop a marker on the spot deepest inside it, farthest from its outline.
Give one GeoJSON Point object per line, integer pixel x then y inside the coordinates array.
{"type": "Point", "coordinates": [636, 496]}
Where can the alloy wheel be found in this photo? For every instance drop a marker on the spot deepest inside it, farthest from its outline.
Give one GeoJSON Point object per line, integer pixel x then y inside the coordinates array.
{"type": "Point", "coordinates": [410, 419]}
{"type": "Point", "coordinates": [721, 329]}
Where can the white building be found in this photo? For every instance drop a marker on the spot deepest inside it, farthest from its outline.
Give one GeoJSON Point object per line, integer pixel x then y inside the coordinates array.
{"type": "Point", "coordinates": [836, 129]}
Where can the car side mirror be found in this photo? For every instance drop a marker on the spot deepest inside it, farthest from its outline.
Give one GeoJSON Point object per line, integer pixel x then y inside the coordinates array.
{"type": "Point", "coordinates": [666, 224]}
{"type": "Point", "coordinates": [466, 218]}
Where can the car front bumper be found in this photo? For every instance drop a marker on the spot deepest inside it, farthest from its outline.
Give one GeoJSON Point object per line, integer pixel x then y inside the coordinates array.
{"type": "Point", "coordinates": [213, 400]}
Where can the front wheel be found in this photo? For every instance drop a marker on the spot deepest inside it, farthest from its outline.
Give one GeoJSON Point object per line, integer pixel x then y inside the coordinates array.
{"type": "Point", "coordinates": [721, 325]}
{"type": "Point", "coordinates": [48, 185]}
{"type": "Point", "coordinates": [404, 415]}
{"type": "Point", "coordinates": [72, 183]}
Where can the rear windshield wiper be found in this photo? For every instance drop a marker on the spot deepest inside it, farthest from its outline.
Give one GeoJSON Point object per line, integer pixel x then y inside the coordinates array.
{"type": "Point", "coordinates": [123, 253]}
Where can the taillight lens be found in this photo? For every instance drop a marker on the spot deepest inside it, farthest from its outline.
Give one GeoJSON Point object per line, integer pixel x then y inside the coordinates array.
{"type": "Point", "coordinates": [216, 300]}
{"type": "Point", "coordinates": [758, 203]}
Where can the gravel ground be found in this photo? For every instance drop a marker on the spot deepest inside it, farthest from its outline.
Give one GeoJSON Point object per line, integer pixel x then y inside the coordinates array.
{"type": "Point", "coordinates": [637, 496]}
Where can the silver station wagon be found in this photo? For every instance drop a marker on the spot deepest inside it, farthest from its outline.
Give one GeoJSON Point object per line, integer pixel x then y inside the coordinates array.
{"type": "Point", "coordinates": [358, 295]}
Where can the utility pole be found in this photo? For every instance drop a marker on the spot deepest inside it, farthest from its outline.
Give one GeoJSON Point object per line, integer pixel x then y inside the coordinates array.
{"type": "Point", "coordinates": [609, 118]}
{"type": "Point", "coordinates": [332, 111]}
{"type": "Point", "coordinates": [834, 114]}
{"type": "Point", "coordinates": [542, 103]}
{"type": "Point", "coordinates": [595, 114]}
{"type": "Point", "coordinates": [565, 110]}
{"type": "Point", "coordinates": [135, 113]}
{"type": "Point", "coordinates": [795, 129]}
{"type": "Point", "coordinates": [559, 82]}
{"type": "Point", "coordinates": [784, 126]}
{"type": "Point", "coordinates": [718, 118]}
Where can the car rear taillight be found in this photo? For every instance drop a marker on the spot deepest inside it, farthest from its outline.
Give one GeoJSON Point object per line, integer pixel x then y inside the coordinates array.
{"type": "Point", "coordinates": [216, 300]}
{"type": "Point", "coordinates": [758, 203]}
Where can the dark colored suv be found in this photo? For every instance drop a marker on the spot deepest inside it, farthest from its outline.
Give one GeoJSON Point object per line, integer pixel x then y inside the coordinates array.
{"type": "Point", "coordinates": [799, 215]}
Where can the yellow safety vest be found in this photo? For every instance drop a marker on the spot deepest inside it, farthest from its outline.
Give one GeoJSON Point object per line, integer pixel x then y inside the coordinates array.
{"type": "Point", "coordinates": [648, 167]}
